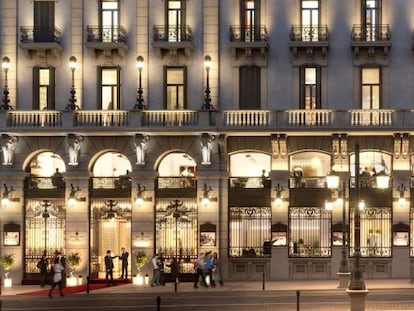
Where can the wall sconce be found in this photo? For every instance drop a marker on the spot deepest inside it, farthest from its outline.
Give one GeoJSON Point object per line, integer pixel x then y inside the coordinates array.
{"type": "Point", "coordinates": [332, 180]}
{"type": "Point", "coordinates": [401, 200]}
{"type": "Point", "coordinates": [328, 205]}
{"type": "Point", "coordinates": [382, 180]}
{"type": "Point", "coordinates": [142, 241]}
{"type": "Point", "coordinates": [206, 198]}
{"type": "Point", "coordinates": [278, 198]}
{"type": "Point", "coordinates": [73, 195]}
{"type": "Point", "coordinates": [8, 196]}
{"type": "Point", "coordinates": [141, 197]}
{"type": "Point", "coordinates": [361, 205]}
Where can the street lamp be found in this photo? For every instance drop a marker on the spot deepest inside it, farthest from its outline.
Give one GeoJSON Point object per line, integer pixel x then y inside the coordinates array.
{"type": "Point", "coordinates": [140, 100]}
{"type": "Point", "coordinates": [72, 100]}
{"type": "Point", "coordinates": [207, 98]}
{"type": "Point", "coordinates": [357, 289]}
{"type": "Point", "coordinates": [6, 100]}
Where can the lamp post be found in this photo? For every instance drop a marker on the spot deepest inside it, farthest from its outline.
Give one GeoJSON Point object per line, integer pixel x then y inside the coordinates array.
{"type": "Point", "coordinates": [72, 100]}
{"type": "Point", "coordinates": [357, 289]}
{"type": "Point", "coordinates": [207, 98]}
{"type": "Point", "coordinates": [6, 99]}
{"type": "Point", "coordinates": [140, 100]}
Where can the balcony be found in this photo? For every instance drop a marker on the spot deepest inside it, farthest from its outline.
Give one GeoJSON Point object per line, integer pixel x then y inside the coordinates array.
{"type": "Point", "coordinates": [107, 40]}
{"type": "Point", "coordinates": [249, 41]}
{"type": "Point", "coordinates": [371, 43]}
{"type": "Point", "coordinates": [173, 40]}
{"type": "Point", "coordinates": [100, 122]}
{"type": "Point", "coordinates": [309, 42]}
{"type": "Point", "coordinates": [38, 41]}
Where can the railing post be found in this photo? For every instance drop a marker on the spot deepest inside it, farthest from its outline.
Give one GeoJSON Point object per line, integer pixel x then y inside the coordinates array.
{"type": "Point", "coordinates": [297, 300]}
{"type": "Point", "coordinates": [158, 303]}
{"type": "Point", "coordinates": [263, 281]}
{"type": "Point", "coordinates": [87, 284]}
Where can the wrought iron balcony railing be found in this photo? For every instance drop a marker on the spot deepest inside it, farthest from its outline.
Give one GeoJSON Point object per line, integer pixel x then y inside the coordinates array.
{"type": "Point", "coordinates": [106, 34]}
{"type": "Point", "coordinates": [309, 33]}
{"type": "Point", "coordinates": [248, 33]}
{"type": "Point", "coordinates": [39, 34]}
{"type": "Point", "coordinates": [371, 33]}
{"type": "Point", "coordinates": [172, 33]}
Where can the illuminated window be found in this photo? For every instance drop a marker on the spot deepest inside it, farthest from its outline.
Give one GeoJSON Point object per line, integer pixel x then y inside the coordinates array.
{"type": "Point", "coordinates": [110, 88]}
{"type": "Point", "coordinates": [371, 18]}
{"type": "Point", "coordinates": [250, 20]}
{"type": "Point", "coordinates": [310, 20]}
{"type": "Point", "coordinates": [110, 21]}
{"type": "Point", "coordinates": [175, 19]}
{"type": "Point", "coordinates": [310, 88]}
{"type": "Point", "coordinates": [175, 88]}
{"type": "Point", "coordinates": [371, 84]}
{"type": "Point", "coordinates": [43, 88]}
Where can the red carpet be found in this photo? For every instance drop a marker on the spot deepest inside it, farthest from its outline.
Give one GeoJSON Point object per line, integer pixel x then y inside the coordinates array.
{"type": "Point", "coordinates": [69, 290]}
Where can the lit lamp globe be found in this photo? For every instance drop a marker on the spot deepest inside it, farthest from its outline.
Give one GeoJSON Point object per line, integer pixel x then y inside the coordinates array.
{"type": "Point", "coordinates": [382, 180]}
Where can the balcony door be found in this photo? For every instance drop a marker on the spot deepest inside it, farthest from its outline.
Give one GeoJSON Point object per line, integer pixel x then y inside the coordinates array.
{"type": "Point", "coordinates": [175, 20]}
{"type": "Point", "coordinates": [249, 87]}
{"type": "Point", "coordinates": [44, 21]}
{"type": "Point", "coordinates": [250, 20]}
{"type": "Point", "coordinates": [109, 21]}
{"type": "Point", "coordinates": [310, 20]}
{"type": "Point", "coordinates": [371, 13]}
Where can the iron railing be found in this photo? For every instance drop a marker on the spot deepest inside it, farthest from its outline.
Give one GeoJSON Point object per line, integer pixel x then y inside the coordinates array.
{"type": "Point", "coordinates": [250, 33]}
{"type": "Point", "coordinates": [309, 33]}
{"type": "Point", "coordinates": [371, 33]}
{"type": "Point", "coordinates": [172, 33]}
{"type": "Point", "coordinates": [106, 34]}
{"type": "Point", "coordinates": [39, 34]}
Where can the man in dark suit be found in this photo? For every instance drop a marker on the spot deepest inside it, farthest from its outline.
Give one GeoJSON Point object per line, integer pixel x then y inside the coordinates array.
{"type": "Point", "coordinates": [109, 267]}
{"type": "Point", "coordinates": [124, 259]}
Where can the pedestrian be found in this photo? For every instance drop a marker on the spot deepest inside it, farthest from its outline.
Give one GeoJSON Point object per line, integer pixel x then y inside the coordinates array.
{"type": "Point", "coordinates": [174, 268]}
{"type": "Point", "coordinates": [216, 269]}
{"type": "Point", "coordinates": [208, 267]}
{"type": "Point", "coordinates": [43, 265]}
{"type": "Point", "coordinates": [57, 277]}
{"type": "Point", "coordinates": [156, 270]}
{"type": "Point", "coordinates": [199, 270]}
{"type": "Point", "coordinates": [109, 268]}
{"type": "Point", "coordinates": [124, 260]}
{"type": "Point", "coordinates": [161, 265]}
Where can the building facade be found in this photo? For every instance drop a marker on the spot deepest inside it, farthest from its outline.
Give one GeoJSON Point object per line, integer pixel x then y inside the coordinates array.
{"type": "Point", "coordinates": [187, 126]}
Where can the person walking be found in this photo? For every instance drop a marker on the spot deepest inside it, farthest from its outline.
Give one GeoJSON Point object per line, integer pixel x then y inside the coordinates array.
{"type": "Point", "coordinates": [161, 265]}
{"type": "Point", "coordinates": [199, 270]}
{"type": "Point", "coordinates": [109, 268]}
{"type": "Point", "coordinates": [156, 270]}
{"type": "Point", "coordinates": [43, 264]}
{"type": "Point", "coordinates": [124, 260]}
{"type": "Point", "coordinates": [208, 267]}
{"type": "Point", "coordinates": [216, 269]}
{"type": "Point", "coordinates": [57, 277]}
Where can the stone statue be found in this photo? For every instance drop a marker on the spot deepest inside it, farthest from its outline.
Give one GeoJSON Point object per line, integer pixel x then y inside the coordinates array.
{"type": "Point", "coordinates": [141, 142]}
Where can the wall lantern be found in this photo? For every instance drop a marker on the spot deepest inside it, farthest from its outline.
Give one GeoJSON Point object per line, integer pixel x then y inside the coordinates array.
{"type": "Point", "coordinates": [278, 198]}
{"type": "Point", "coordinates": [401, 200]}
{"type": "Point", "coordinates": [74, 195]}
{"type": "Point", "coordinates": [141, 196]}
{"type": "Point", "coordinates": [382, 180]}
{"type": "Point", "coordinates": [8, 196]}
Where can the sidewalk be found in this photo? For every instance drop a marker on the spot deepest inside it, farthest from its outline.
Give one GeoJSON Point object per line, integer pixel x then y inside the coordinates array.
{"type": "Point", "coordinates": [301, 285]}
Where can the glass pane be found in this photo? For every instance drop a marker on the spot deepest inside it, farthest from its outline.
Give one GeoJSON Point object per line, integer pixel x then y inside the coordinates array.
{"type": "Point", "coordinates": [310, 4]}
{"type": "Point", "coordinates": [310, 75]}
{"type": "Point", "coordinates": [249, 4]}
{"type": "Point", "coordinates": [109, 77]}
{"type": "Point", "coordinates": [370, 75]}
{"type": "Point", "coordinates": [43, 98]}
{"type": "Point", "coordinates": [110, 5]}
{"type": "Point", "coordinates": [175, 76]}
{"type": "Point", "coordinates": [174, 4]}
{"type": "Point", "coordinates": [171, 98]}
{"type": "Point", "coordinates": [180, 98]}
{"type": "Point", "coordinates": [375, 97]}
{"type": "Point", "coordinates": [107, 100]}
{"type": "Point", "coordinates": [106, 18]}
{"type": "Point", "coordinates": [44, 77]}
{"type": "Point", "coordinates": [366, 97]}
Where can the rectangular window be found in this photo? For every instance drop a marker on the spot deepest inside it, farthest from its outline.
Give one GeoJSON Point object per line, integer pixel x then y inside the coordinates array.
{"type": "Point", "coordinates": [175, 91]}
{"type": "Point", "coordinates": [371, 84]}
{"type": "Point", "coordinates": [309, 232]}
{"type": "Point", "coordinates": [43, 88]}
{"type": "Point", "coordinates": [249, 229]}
{"type": "Point", "coordinates": [249, 87]}
{"type": "Point", "coordinates": [250, 20]}
{"type": "Point", "coordinates": [310, 88]}
{"type": "Point", "coordinates": [109, 88]}
{"type": "Point", "coordinates": [110, 21]}
{"type": "Point", "coordinates": [310, 20]}
{"type": "Point", "coordinates": [375, 232]}
{"type": "Point", "coordinates": [44, 21]}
